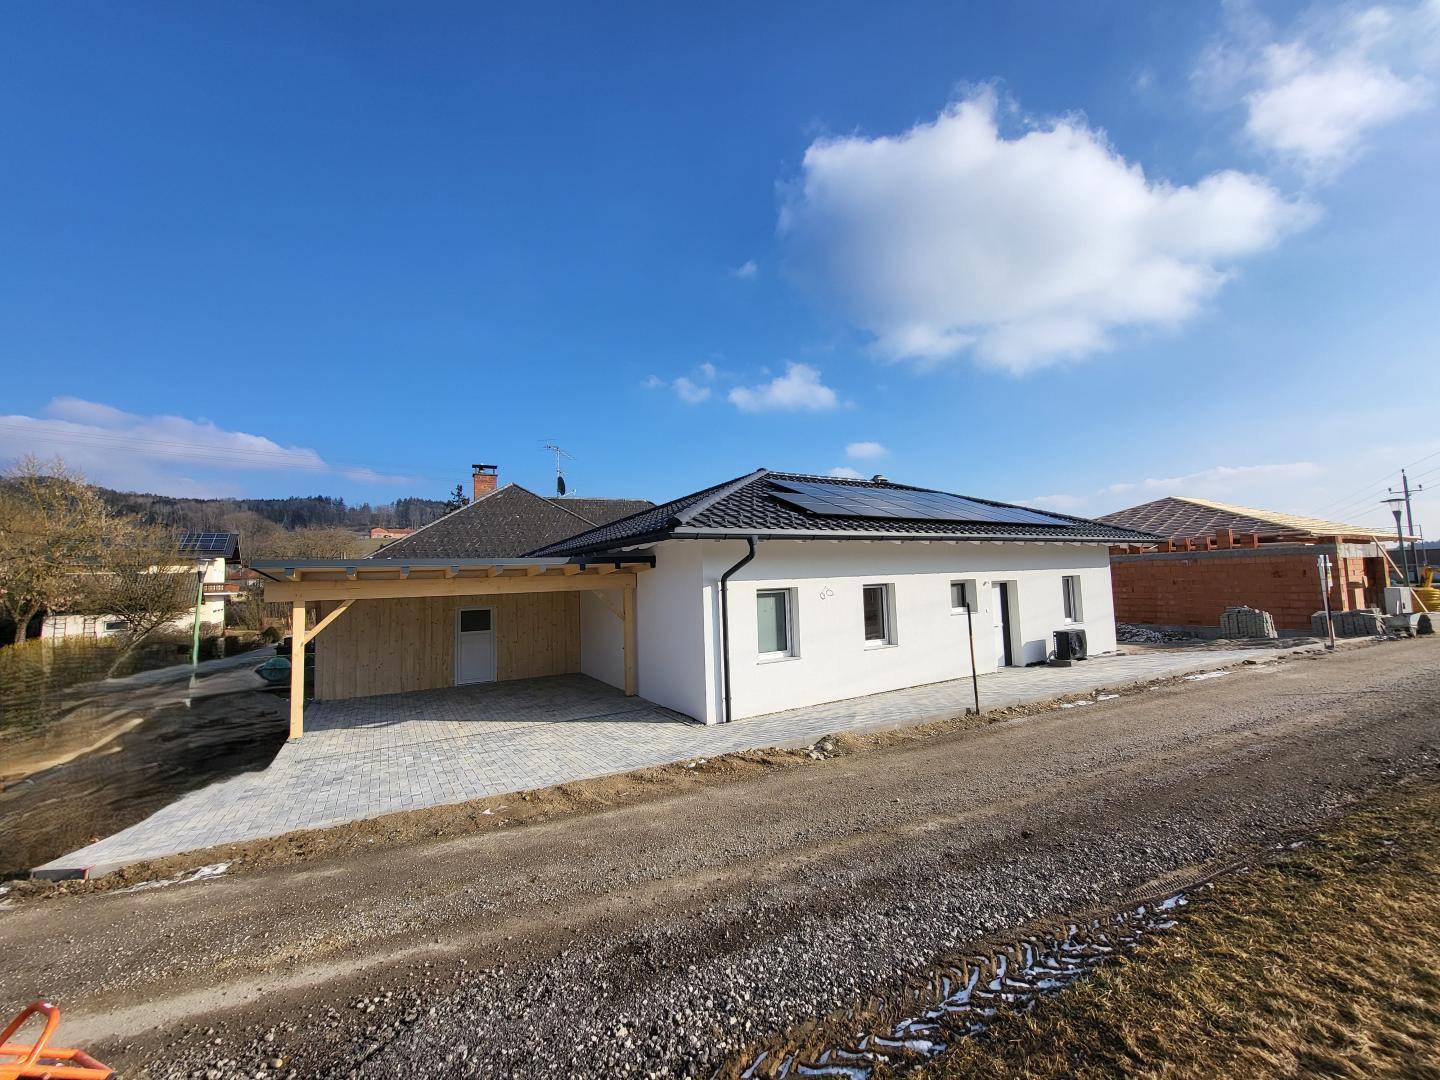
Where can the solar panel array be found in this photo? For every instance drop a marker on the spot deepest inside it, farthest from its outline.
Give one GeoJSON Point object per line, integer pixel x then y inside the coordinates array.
{"type": "Point", "coordinates": [848, 500]}
{"type": "Point", "coordinates": [206, 543]}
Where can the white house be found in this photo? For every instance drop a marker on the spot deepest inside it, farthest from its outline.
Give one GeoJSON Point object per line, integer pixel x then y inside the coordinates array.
{"type": "Point", "coordinates": [770, 591]}
{"type": "Point", "coordinates": [209, 554]}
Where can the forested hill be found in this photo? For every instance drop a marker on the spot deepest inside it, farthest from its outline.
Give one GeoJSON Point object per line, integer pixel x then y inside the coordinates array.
{"type": "Point", "coordinates": [296, 512]}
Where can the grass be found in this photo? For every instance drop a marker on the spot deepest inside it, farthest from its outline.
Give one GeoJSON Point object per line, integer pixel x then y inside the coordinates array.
{"type": "Point", "coordinates": [1323, 963]}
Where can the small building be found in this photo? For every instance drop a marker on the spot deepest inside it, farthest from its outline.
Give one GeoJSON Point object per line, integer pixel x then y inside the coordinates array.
{"type": "Point", "coordinates": [769, 591]}
{"type": "Point", "coordinates": [1215, 555]}
{"type": "Point", "coordinates": [388, 532]}
{"type": "Point", "coordinates": [213, 554]}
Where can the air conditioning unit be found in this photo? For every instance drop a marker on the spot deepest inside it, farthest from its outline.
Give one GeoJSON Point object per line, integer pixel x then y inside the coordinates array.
{"type": "Point", "coordinates": [1069, 646]}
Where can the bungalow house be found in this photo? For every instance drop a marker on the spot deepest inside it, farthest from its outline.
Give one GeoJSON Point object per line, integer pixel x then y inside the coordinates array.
{"type": "Point", "coordinates": [770, 591]}
{"type": "Point", "coordinates": [211, 554]}
{"type": "Point", "coordinates": [1215, 555]}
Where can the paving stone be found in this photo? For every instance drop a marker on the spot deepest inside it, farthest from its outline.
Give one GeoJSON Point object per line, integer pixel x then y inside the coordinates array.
{"type": "Point", "coordinates": [370, 756]}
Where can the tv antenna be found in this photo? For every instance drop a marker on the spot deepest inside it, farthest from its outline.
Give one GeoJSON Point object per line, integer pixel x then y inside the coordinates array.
{"type": "Point", "coordinates": [559, 468]}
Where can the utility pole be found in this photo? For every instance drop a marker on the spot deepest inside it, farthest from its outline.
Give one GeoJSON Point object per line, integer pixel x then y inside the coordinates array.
{"type": "Point", "coordinates": [1405, 490]}
{"type": "Point", "coordinates": [1400, 539]}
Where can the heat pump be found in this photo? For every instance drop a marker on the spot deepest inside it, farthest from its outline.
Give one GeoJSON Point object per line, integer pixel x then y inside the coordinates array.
{"type": "Point", "coordinates": [1069, 645]}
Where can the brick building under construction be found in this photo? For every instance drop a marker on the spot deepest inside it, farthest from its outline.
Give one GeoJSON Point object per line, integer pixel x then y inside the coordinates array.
{"type": "Point", "coordinates": [1217, 556]}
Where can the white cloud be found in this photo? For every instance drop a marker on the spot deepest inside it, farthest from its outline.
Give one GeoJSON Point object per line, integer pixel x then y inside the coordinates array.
{"type": "Point", "coordinates": [799, 388]}
{"type": "Point", "coordinates": [1312, 95]}
{"type": "Point", "coordinates": [691, 391]}
{"type": "Point", "coordinates": [748, 269]}
{"type": "Point", "coordinates": [863, 451]}
{"type": "Point", "coordinates": [844, 472]}
{"type": "Point", "coordinates": [1269, 486]}
{"type": "Point", "coordinates": [688, 392]}
{"type": "Point", "coordinates": [1025, 250]}
{"type": "Point", "coordinates": [163, 453]}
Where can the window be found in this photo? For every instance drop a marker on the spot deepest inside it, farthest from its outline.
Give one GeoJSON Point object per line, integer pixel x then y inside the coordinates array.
{"type": "Point", "coordinates": [962, 596]}
{"type": "Point", "coordinates": [879, 621]}
{"type": "Point", "coordinates": [775, 623]}
{"type": "Point", "coordinates": [1070, 591]}
{"type": "Point", "coordinates": [474, 619]}
{"type": "Point", "coordinates": [116, 626]}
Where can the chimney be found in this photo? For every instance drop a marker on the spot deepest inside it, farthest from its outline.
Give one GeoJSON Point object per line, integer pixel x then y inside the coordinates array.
{"type": "Point", "coordinates": [483, 479]}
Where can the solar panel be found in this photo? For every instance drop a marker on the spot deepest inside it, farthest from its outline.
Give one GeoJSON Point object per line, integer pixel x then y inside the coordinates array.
{"type": "Point", "coordinates": [846, 500]}
{"type": "Point", "coordinates": [206, 543]}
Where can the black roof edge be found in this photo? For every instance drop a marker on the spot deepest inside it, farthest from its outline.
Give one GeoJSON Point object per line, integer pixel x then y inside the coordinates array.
{"type": "Point", "coordinates": [476, 560]}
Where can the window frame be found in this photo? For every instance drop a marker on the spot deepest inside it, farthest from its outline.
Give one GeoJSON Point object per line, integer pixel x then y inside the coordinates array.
{"type": "Point", "coordinates": [887, 615]}
{"type": "Point", "coordinates": [970, 589]}
{"type": "Point", "coordinates": [792, 649]}
{"type": "Point", "coordinates": [1072, 604]}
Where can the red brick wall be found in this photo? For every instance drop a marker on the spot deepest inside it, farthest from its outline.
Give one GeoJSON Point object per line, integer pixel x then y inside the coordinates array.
{"type": "Point", "coordinates": [1194, 591]}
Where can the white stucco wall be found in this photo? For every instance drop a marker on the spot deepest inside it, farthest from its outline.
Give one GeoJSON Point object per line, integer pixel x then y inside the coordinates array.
{"type": "Point", "coordinates": [671, 630]}
{"type": "Point", "coordinates": [602, 640]}
{"type": "Point", "coordinates": [930, 641]}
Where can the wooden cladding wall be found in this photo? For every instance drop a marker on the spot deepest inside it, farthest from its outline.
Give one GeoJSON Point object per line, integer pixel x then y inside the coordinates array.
{"type": "Point", "coordinates": [393, 646]}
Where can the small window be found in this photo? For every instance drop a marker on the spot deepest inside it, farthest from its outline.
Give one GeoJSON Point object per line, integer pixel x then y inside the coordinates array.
{"type": "Point", "coordinates": [774, 623]}
{"type": "Point", "coordinates": [116, 626]}
{"type": "Point", "coordinates": [962, 596]}
{"type": "Point", "coordinates": [879, 628]}
{"type": "Point", "coordinates": [474, 619]}
{"type": "Point", "coordinates": [1070, 591]}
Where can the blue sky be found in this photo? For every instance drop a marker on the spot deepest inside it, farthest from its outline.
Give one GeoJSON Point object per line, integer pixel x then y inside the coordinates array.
{"type": "Point", "coordinates": [1079, 255]}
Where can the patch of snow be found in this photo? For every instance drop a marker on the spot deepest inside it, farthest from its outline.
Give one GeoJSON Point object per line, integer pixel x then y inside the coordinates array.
{"type": "Point", "coordinates": [1206, 675]}
{"type": "Point", "coordinates": [200, 874]}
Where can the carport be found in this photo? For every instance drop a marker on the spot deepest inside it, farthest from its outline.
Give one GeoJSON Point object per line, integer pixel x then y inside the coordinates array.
{"type": "Point", "coordinates": [422, 624]}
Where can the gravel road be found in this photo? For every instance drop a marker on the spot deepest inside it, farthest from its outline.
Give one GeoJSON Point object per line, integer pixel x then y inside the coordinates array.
{"type": "Point", "coordinates": [672, 937]}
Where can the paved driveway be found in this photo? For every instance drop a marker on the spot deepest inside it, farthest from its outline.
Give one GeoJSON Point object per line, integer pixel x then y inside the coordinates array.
{"type": "Point", "coordinates": [371, 756]}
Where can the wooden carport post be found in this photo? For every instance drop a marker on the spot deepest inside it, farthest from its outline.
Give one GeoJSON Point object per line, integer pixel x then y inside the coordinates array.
{"type": "Point", "coordinates": [627, 618]}
{"type": "Point", "coordinates": [297, 668]}
{"type": "Point", "coordinates": [299, 638]}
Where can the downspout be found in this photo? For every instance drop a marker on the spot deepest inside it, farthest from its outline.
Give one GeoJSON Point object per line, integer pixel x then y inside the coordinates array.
{"type": "Point", "coordinates": [725, 620]}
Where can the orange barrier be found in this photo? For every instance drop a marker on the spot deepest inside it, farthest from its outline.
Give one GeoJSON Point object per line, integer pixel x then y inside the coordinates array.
{"type": "Point", "coordinates": [40, 1060]}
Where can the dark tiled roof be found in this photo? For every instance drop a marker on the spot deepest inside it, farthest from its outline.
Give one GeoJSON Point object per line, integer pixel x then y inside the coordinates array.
{"type": "Point", "coordinates": [599, 511]}
{"type": "Point", "coordinates": [509, 522]}
{"type": "Point", "coordinates": [1181, 518]}
{"type": "Point", "coordinates": [747, 505]}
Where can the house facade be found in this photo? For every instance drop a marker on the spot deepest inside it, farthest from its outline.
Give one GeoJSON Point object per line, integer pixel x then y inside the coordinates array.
{"type": "Point", "coordinates": [209, 554]}
{"type": "Point", "coordinates": [767, 592]}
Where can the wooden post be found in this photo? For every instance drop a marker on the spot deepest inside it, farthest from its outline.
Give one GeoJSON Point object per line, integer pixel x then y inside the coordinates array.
{"type": "Point", "coordinates": [297, 668]}
{"type": "Point", "coordinates": [628, 620]}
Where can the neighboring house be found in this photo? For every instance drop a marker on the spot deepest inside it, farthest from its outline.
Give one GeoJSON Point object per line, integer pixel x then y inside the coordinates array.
{"type": "Point", "coordinates": [387, 532]}
{"type": "Point", "coordinates": [1216, 556]}
{"type": "Point", "coordinates": [770, 591]}
{"type": "Point", "coordinates": [214, 553]}
{"type": "Point", "coordinates": [507, 521]}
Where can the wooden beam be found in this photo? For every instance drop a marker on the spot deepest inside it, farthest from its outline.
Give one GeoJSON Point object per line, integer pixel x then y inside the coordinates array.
{"type": "Point", "coordinates": [297, 667]}
{"type": "Point", "coordinates": [452, 571]}
{"type": "Point", "coordinates": [627, 599]}
{"type": "Point", "coordinates": [314, 631]}
{"type": "Point", "coordinates": [535, 571]}
{"type": "Point", "coordinates": [614, 609]}
{"type": "Point", "coordinates": [284, 592]}
{"type": "Point", "coordinates": [569, 568]}
{"type": "Point", "coordinates": [601, 568]}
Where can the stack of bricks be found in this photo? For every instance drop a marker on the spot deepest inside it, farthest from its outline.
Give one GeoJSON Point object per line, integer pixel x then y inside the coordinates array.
{"type": "Point", "coordinates": [1247, 622]}
{"type": "Point", "coordinates": [1365, 623]}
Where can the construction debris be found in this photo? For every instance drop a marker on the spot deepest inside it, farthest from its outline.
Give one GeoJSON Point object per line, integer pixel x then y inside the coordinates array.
{"type": "Point", "coordinates": [1247, 622]}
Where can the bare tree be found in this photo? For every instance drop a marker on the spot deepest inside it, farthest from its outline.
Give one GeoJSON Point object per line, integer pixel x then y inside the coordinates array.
{"type": "Point", "coordinates": [137, 577]}
{"type": "Point", "coordinates": [51, 520]}
{"type": "Point", "coordinates": [306, 544]}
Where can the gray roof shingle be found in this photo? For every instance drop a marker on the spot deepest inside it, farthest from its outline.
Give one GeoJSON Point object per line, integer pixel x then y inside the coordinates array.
{"type": "Point", "coordinates": [747, 505]}
{"type": "Point", "coordinates": [507, 523]}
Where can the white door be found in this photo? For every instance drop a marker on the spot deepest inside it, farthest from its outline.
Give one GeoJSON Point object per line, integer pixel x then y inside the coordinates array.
{"type": "Point", "coordinates": [1000, 613]}
{"type": "Point", "coordinates": [474, 645]}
